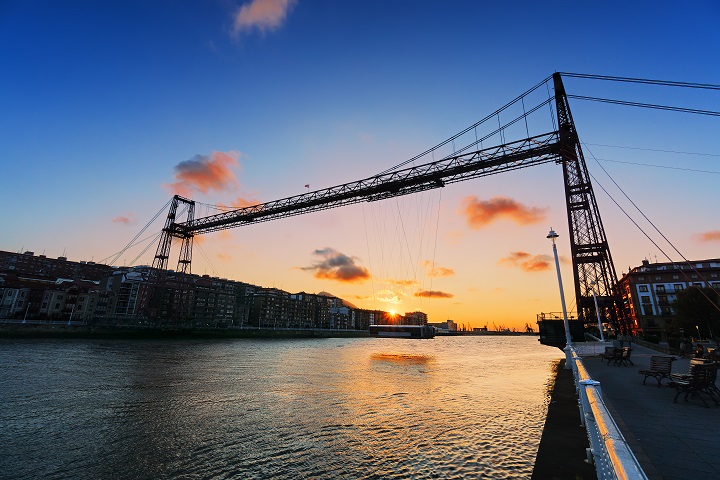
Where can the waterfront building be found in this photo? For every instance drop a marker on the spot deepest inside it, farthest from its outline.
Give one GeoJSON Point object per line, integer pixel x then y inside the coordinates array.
{"type": "Point", "coordinates": [140, 295]}
{"type": "Point", "coordinates": [416, 318]}
{"type": "Point", "coordinates": [33, 265]}
{"type": "Point", "coordinates": [446, 327]}
{"type": "Point", "coordinates": [270, 306]}
{"type": "Point", "coordinates": [364, 318]}
{"type": "Point", "coordinates": [649, 290]}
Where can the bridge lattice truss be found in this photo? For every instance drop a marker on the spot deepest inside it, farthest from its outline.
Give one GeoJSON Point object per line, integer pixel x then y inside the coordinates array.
{"type": "Point", "coordinates": [592, 263]}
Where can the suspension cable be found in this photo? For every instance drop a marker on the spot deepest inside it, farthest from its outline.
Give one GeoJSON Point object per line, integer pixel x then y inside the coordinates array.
{"type": "Point", "coordinates": [138, 235]}
{"type": "Point", "coordinates": [653, 149]}
{"type": "Point", "coordinates": [692, 267]}
{"type": "Point", "coordinates": [646, 105]}
{"type": "Point", "coordinates": [666, 83]}
{"type": "Point", "coordinates": [151, 243]}
{"type": "Point", "coordinates": [658, 166]}
{"type": "Point", "coordinates": [457, 135]}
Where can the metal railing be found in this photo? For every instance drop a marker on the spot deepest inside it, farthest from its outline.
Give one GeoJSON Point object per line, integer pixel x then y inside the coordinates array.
{"type": "Point", "coordinates": [608, 451]}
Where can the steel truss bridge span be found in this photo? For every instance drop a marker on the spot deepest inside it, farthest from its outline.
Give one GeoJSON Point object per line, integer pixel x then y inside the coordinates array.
{"type": "Point", "coordinates": [489, 161]}
{"type": "Point", "coordinates": [593, 269]}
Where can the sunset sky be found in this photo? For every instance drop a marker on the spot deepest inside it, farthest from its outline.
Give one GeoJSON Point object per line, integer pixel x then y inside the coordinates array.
{"type": "Point", "coordinates": [111, 107]}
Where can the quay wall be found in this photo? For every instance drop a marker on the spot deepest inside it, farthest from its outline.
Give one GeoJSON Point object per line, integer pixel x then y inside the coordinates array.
{"type": "Point", "coordinates": [561, 454]}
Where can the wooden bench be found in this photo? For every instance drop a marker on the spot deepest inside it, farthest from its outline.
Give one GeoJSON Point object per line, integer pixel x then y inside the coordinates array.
{"type": "Point", "coordinates": [660, 367]}
{"type": "Point", "coordinates": [618, 356]}
{"type": "Point", "coordinates": [700, 379]}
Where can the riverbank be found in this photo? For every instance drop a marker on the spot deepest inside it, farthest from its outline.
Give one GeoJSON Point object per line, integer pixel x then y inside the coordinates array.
{"type": "Point", "coordinates": [561, 454]}
{"type": "Point", "coordinates": [65, 330]}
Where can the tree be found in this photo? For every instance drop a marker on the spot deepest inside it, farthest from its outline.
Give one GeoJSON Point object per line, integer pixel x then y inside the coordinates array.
{"type": "Point", "coordinates": [697, 309]}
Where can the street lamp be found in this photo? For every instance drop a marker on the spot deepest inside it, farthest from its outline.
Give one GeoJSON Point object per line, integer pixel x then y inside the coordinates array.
{"type": "Point", "coordinates": [597, 310]}
{"type": "Point", "coordinates": [568, 341]}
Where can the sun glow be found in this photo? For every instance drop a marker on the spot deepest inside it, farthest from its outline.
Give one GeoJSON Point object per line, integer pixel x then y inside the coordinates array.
{"type": "Point", "coordinates": [392, 312]}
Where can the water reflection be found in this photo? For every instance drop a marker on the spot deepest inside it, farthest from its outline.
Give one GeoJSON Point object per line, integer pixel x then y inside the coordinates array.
{"type": "Point", "coordinates": [332, 408]}
{"type": "Point", "coordinates": [403, 357]}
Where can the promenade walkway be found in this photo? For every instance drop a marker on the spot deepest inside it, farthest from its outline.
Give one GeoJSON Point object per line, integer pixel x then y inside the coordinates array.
{"type": "Point", "coordinates": [672, 441]}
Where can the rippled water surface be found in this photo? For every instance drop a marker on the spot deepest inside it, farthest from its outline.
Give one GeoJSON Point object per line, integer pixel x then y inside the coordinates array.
{"type": "Point", "coordinates": [450, 407]}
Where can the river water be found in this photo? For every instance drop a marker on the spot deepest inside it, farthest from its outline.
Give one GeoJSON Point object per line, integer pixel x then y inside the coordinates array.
{"type": "Point", "coordinates": [449, 407]}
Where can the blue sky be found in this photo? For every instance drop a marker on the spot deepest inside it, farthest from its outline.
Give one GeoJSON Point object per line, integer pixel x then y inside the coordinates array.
{"type": "Point", "coordinates": [102, 101]}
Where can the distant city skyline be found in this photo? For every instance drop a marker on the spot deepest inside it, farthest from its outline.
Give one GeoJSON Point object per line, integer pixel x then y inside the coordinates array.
{"type": "Point", "coordinates": [110, 109]}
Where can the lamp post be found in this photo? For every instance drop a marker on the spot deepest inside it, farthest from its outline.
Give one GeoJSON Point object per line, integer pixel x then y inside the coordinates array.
{"type": "Point", "coordinates": [568, 340]}
{"type": "Point", "coordinates": [597, 311]}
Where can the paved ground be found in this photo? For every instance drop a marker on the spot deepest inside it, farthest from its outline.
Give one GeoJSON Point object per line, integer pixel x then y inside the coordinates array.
{"type": "Point", "coordinates": [672, 441]}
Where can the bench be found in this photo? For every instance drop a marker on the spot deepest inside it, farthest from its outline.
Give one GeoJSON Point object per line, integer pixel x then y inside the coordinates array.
{"type": "Point", "coordinates": [700, 379]}
{"type": "Point", "coordinates": [660, 367]}
{"type": "Point", "coordinates": [618, 356]}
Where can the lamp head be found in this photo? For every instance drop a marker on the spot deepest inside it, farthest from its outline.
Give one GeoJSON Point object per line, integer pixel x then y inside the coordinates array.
{"type": "Point", "coordinates": [552, 235]}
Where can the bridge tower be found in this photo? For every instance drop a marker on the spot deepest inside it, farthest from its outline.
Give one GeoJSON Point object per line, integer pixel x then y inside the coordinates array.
{"type": "Point", "coordinates": [173, 230]}
{"type": "Point", "coordinates": [593, 266]}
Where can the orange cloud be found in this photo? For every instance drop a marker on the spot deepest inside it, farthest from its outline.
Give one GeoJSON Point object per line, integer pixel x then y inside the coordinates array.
{"type": "Point", "coordinates": [711, 236]}
{"type": "Point", "coordinates": [338, 266]}
{"type": "Point", "coordinates": [127, 219]}
{"type": "Point", "coordinates": [224, 256]}
{"type": "Point", "coordinates": [433, 271]}
{"type": "Point", "coordinates": [527, 261]}
{"type": "Point", "coordinates": [205, 173]}
{"type": "Point", "coordinates": [264, 15]}
{"type": "Point", "coordinates": [244, 202]}
{"type": "Point", "coordinates": [480, 213]}
{"type": "Point", "coordinates": [433, 294]}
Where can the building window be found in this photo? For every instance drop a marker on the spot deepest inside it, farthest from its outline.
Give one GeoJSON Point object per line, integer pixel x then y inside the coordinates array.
{"type": "Point", "coordinates": [678, 287]}
{"type": "Point", "coordinates": [643, 288]}
{"type": "Point", "coordinates": [676, 277]}
{"type": "Point", "coordinates": [645, 299]}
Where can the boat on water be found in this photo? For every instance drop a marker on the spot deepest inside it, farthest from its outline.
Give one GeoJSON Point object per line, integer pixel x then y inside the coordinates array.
{"type": "Point", "coordinates": [402, 331]}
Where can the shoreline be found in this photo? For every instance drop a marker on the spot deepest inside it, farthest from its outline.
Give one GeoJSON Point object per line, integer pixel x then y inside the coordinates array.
{"type": "Point", "coordinates": [25, 331]}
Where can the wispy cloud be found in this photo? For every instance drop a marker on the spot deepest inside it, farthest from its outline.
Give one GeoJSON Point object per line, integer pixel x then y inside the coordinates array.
{"type": "Point", "coordinates": [205, 173]}
{"type": "Point", "coordinates": [402, 283]}
{"type": "Point", "coordinates": [125, 219]}
{"type": "Point", "coordinates": [433, 294]}
{"type": "Point", "coordinates": [527, 261]}
{"type": "Point", "coordinates": [393, 297]}
{"type": "Point", "coordinates": [479, 213]}
{"type": "Point", "coordinates": [337, 266]}
{"type": "Point", "coordinates": [435, 271]}
{"type": "Point", "coordinates": [262, 15]}
{"type": "Point", "coordinates": [711, 236]}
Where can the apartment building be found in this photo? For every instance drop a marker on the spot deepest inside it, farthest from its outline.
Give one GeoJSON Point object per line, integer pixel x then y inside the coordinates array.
{"type": "Point", "coordinates": [649, 290]}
